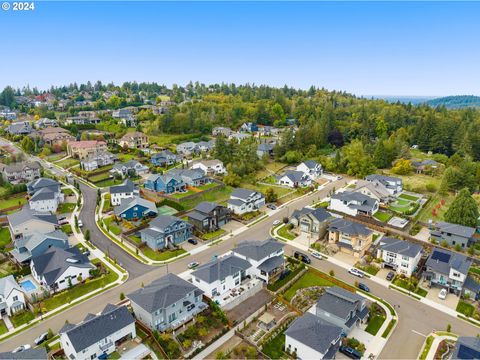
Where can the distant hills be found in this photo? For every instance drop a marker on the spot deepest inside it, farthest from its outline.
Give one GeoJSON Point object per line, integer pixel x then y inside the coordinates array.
{"type": "Point", "coordinates": [456, 102]}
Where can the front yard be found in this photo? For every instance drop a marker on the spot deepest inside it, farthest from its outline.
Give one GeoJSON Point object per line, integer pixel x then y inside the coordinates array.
{"type": "Point", "coordinates": [213, 235]}
{"type": "Point", "coordinates": [309, 279]}
{"type": "Point", "coordinates": [284, 232]}
{"type": "Point", "coordinates": [112, 225]}
{"type": "Point", "coordinates": [65, 208]}
{"type": "Point", "coordinates": [162, 255]}
{"type": "Point", "coordinates": [21, 318]}
{"type": "Point", "coordinates": [410, 285]}
{"type": "Point", "coordinates": [465, 308]}
{"type": "Point", "coordinates": [68, 163]}
{"type": "Point", "coordinates": [3, 327]}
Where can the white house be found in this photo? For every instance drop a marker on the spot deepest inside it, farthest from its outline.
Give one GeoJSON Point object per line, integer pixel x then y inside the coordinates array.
{"type": "Point", "coordinates": [310, 168]}
{"type": "Point", "coordinates": [98, 160]}
{"type": "Point", "coordinates": [244, 200]}
{"type": "Point", "coordinates": [57, 269]}
{"type": "Point", "coordinates": [353, 203]}
{"type": "Point", "coordinates": [27, 221]}
{"type": "Point", "coordinates": [98, 335]}
{"type": "Point", "coordinates": [12, 298]}
{"type": "Point", "coordinates": [210, 167]}
{"type": "Point", "coordinates": [46, 199]}
{"type": "Point", "coordinates": [400, 255]}
{"type": "Point", "coordinates": [126, 190]}
{"type": "Point", "coordinates": [293, 179]}
{"type": "Point", "coordinates": [393, 184]}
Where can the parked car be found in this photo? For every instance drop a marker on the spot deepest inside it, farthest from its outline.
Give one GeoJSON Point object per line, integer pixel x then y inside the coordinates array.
{"type": "Point", "coordinates": [80, 223]}
{"type": "Point", "coordinates": [442, 294]}
{"type": "Point", "coordinates": [317, 255]}
{"type": "Point", "coordinates": [339, 177]}
{"type": "Point", "coordinates": [86, 253]}
{"type": "Point", "coordinates": [350, 352]}
{"type": "Point", "coordinates": [302, 257]}
{"type": "Point", "coordinates": [356, 272]}
{"type": "Point", "coordinates": [390, 276]}
{"type": "Point", "coordinates": [21, 348]}
{"type": "Point", "coordinates": [271, 206]}
{"type": "Point", "coordinates": [276, 222]}
{"type": "Point", "coordinates": [193, 265]}
{"type": "Point", "coordinates": [42, 338]}
{"type": "Point", "coordinates": [363, 287]}
{"type": "Point", "coordinates": [193, 241]}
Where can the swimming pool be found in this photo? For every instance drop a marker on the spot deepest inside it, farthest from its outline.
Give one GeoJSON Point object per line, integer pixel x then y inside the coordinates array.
{"type": "Point", "coordinates": [28, 285]}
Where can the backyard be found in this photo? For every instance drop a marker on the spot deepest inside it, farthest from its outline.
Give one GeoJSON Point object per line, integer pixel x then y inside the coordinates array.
{"type": "Point", "coordinates": [112, 225]}
{"type": "Point", "coordinates": [219, 195]}
{"type": "Point", "coordinates": [309, 279]}
{"type": "Point", "coordinates": [12, 201]}
{"type": "Point", "coordinates": [5, 238]}
{"type": "Point", "coordinates": [274, 347]}
{"type": "Point", "coordinates": [67, 163]}
{"type": "Point", "coordinates": [383, 216]}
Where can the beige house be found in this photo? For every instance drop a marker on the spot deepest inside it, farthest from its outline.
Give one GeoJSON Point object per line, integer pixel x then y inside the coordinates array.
{"type": "Point", "coordinates": [86, 149]}
{"type": "Point", "coordinates": [55, 136]}
{"type": "Point", "coordinates": [350, 237]}
{"type": "Point", "coordinates": [134, 140]}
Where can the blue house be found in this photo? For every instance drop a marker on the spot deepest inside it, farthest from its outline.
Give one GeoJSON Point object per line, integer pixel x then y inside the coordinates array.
{"type": "Point", "coordinates": [166, 231]}
{"type": "Point", "coordinates": [249, 127]}
{"type": "Point", "coordinates": [164, 158]}
{"type": "Point", "coordinates": [135, 208]}
{"type": "Point", "coordinates": [37, 243]}
{"type": "Point", "coordinates": [168, 183]}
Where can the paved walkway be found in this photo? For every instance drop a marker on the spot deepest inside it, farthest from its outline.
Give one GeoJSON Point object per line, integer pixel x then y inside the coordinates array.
{"type": "Point", "coordinates": [437, 339]}
{"type": "Point", "coordinates": [8, 323]}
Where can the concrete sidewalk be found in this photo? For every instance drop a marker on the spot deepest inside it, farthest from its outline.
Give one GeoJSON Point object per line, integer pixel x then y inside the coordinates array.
{"type": "Point", "coordinates": [437, 339]}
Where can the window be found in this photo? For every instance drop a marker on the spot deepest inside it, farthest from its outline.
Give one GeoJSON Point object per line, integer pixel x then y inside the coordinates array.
{"type": "Point", "coordinates": [15, 298]}
{"type": "Point", "coordinates": [93, 356]}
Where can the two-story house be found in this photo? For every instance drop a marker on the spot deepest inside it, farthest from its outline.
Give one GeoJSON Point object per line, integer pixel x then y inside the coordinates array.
{"type": "Point", "coordinates": [351, 237]}
{"type": "Point", "coordinates": [220, 130]}
{"type": "Point", "coordinates": [98, 160]}
{"type": "Point", "coordinates": [294, 179]}
{"type": "Point", "coordinates": [191, 177]}
{"type": "Point", "coordinates": [129, 168]}
{"type": "Point", "coordinates": [447, 269]}
{"type": "Point", "coordinates": [135, 208]}
{"type": "Point", "coordinates": [127, 190]}
{"type": "Point", "coordinates": [375, 190]}
{"type": "Point", "coordinates": [187, 148]}
{"type": "Point", "coordinates": [97, 336]}
{"type": "Point", "coordinates": [21, 172]}
{"type": "Point", "coordinates": [85, 149]}
{"type": "Point", "coordinates": [167, 303]}
{"type": "Point", "coordinates": [400, 255]}
{"type": "Point", "coordinates": [310, 221]}
{"type": "Point", "coordinates": [19, 128]}
{"type": "Point", "coordinates": [342, 308]}
{"type": "Point", "coordinates": [37, 243]}
{"type": "Point", "coordinates": [393, 184]}
{"type": "Point", "coordinates": [249, 127]}
{"type": "Point", "coordinates": [164, 158]}
{"type": "Point", "coordinates": [466, 348]}
{"type": "Point", "coordinates": [208, 216]}
{"type": "Point", "coordinates": [311, 168]}
{"type": "Point", "coordinates": [353, 203]}
{"type": "Point", "coordinates": [134, 140]}
{"type": "Point", "coordinates": [12, 298]}
{"type": "Point", "coordinates": [245, 200]}
{"type": "Point", "coordinates": [27, 221]}
{"type": "Point", "coordinates": [55, 136]}
{"type": "Point", "coordinates": [45, 194]}
{"type": "Point", "coordinates": [265, 149]}
{"type": "Point", "coordinates": [452, 234]}
{"type": "Point", "coordinates": [166, 231]}
{"type": "Point", "coordinates": [167, 183]}
{"type": "Point", "coordinates": [210, 167]}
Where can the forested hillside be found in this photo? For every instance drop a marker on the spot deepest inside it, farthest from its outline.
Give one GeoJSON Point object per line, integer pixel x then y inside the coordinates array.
{"type": "Point", "coordinates": [456, 102]}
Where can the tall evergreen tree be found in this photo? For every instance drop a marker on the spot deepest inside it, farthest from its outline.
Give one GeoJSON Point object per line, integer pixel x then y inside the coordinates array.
{"type": "Point", "coordinates": [463, 210]}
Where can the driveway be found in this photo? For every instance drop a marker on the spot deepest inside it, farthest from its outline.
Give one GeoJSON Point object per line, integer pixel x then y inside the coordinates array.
{"type": "Point", "coordinates": [451, 300]}
{"type": "Point", "coordinates": [361, 335]}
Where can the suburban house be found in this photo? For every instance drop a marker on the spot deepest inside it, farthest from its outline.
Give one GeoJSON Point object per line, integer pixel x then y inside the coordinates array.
{"type": "Point", "coordinates": [57, 269]}
{"type": "Point", "coordinates": [219, 276]}
{"type": "Point", "coordinates": [7, 114]}
{"type": "Point", "coordinates": [39, 353]}
{"type": "Point", "coordinates": [19, 128]}
{"type": "Point", "coordinates": [311, 221]}
{"type": "Point", "coordinates": [239, 137]}
{"type": "Point", "coordinates": [294, 178]}
{"type": "Point", "coordinates": [98, 160]}
{"type": "Point", "coordinates": [127, 190]}
{"type": "Point", "coordinates": [55, 136]}
{"type": "Point", "coordinates": [129, 168]}
{"type": "Point", "coordinates": [166, 231]}
{"type": "Point", "coordinates": [135, 208]}
{"type": "Point", "coordinates": [447, 269]}
{"type": "Point", "coordinates": [167, 302]}
{"type": "Point", "coordinates": [249, 127]}
{"type": "Point", "coordinates": [208, 216]}
{"type": "Point", "coordinates": [27, 221]}
{"type": "Point", "coordinates": [224, 131]}
{"type": "Point", "coordinates": [351, 237]}
{"type": "Point", "coordinates": [37, 243]}
{"type": "Point", "coordinates": [400, 255]}
{"type": "Point", "coordinates": [167, 183]}
{"type": "Point", "coordinates": [46, 198]}
{"type": "Point", "coordinates": [342, 308]}
{"type": "Point", "coordinates": [353, 203]}
{"type": "Point", "coordinates": [164, 158]}
{"type": "Point", "coordinates": [209, 167]}
{"type": "Point", "coordinates": [206, 146]}
{"type": "Point", "coordinates": [45, 123]}
{"type": "Point", "coordinates": [41, 183]}
{"type": "Point", "coordinates": [311, 168]}
{"type": "Point", "coordinates": [98, 335]}
{"type": "Point", "coordinates": [187, 148]}
{"type": "Point", "coordinates": [21, 172]}
{"type": "Point", "coordinates": [265, 149]}
{"type": "Point", "coordinates": [12, 298]}
{"type": "Point", "coordinates": [85, 149]}
{"type": "Point", "coordinates": [393, 184]}
{"type": "Point", "coordinates": [453, 234]}
{"type": "Point", "coordinates": [134, 140]}
{"type": "Point", "coordinates": [266, 257]}
{"type": "Point", "coordinates": [244, 200]}
{"type": "Point", "coordinates": [309, 337]}
{"type": "Point", "coordinates": [122, 113]}
{"type": "Point", "coordinates": [191, 177]}
{"type": "Point", "coordinates": [467, 348]}
{"type": "Point", "coordinates": [374, 189]}
{"type": "Point", "coordinates": [425, 165]}
{"type": "Point", "coordinates": [82, 120]}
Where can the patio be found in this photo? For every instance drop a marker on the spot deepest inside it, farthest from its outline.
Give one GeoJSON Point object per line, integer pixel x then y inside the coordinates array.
{"type": "Point", "coordinates": [31, 287]}
{"type": "Point", "coordinates": [245, 287]}
{"type": "Point", "coordinates": [187, 316]}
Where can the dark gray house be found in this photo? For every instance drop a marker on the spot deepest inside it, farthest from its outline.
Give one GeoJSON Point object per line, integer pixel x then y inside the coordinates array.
{"type": "Point", "coordinates": [208, 216]}
{"type": "Point", "coordinates": [37, 243]}
{"type": "Point", "coordinates": [312, 221]}
{"type": "Point", "coordinates": [167, 303]}
{"type": "Point", "coordinates": [453, 234]}
{"type": "Point", "coordinates": [30, 354]}
{"type": "Point", "coordinates": [166, 231]}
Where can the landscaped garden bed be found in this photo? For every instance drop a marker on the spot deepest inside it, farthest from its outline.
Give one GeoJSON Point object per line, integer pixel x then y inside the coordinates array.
{"type": "Point", "coordinates": [310, 279]}
{"type": "Point", "coordinates": [410, 284]}
{"type": "Point", "coordinates": [284, 232]}
{"type": "Point", "coordinates": [376, 319]}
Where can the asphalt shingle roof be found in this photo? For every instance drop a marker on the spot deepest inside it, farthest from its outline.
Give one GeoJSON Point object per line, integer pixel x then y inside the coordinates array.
{"type": "Point", "coordinates": [258, 250]}
{"type": "Point", "coordinates": [441, 261]}
{"type": "Point", "coordinates": [220, 268]}
{"type": "Point", "coordinates": [339, 302]}
{"type": "Point", "coordinates": [459, 230]}
{"type": "Point", "coordinates": [31, 354]}
{"type": "Point", "coordinates": [27, 214]}
{"type": "Point", "coordinates": [401, 247]}
{"type": "Point", "coordinates": [127, 187]}
{"type": "Point", "coordinates": [348, 227]}
{"type": "Point", "coordinates": [242, 193]}
{"type": "Point", "coordinates": [128, 203]}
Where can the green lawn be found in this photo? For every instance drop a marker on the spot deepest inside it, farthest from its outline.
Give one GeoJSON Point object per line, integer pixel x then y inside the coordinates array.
{"type": "Point", "coordinates": [374, 324]}
{"type": "Point", "coordinates": [426, 348]}
{"type": "Point", "coordinates": [56, 157]}
{"type": "Point", "coordinates": [65, 208]}
{"type": "Point", "coordinates": [280, 191]}
{"type": "Point", "coordinates": [11, 202]}
{"type": "Point", "coordinates": [136, 239]}
{"type": "Point", "coordinates": [213, 234]}
{"type": "Point", "coordinates": [408, 197]}
{"type": "Point", "coordinates": [369, 269]}
{"type": "Point", "coordinates": [309, 279]}
{"type": "Point", "coordinates": [404, 284]}
{"type": "Point", "coordinates": [163, 255]}
{"type": "Point", "coordinates": [114, 355]}
{"type": "Point", "coordinates": [22, 318]}
{"type": "Point", "coordinates": [68, 192]}
{"type": "Point", "coordinates": [281, 282]}
{"type": "Point", "coordinates": [67, 229]}
{"type": "Point", "coordinates": [207, 186]}
{"type": "Point", "coordinates": [285, 233]}
{"type": "Point", "coordinates": [168, 139]}
{"type": "Point", "coordinates": [108, 182]}
{"type": "Point", "coordinates": [5, 238]}
{"type": "Point", "coordinates": [181, 195]}
{"type": "Point", "coordinates": [67, 163]}
{"type": "Point", "coordinates": [112, 226]}
{"type": "Point", "coordinates": [3, 327]}
{"type": "Point", "coordinates": [465, 308]}
{"type": "Point", "coordinates": [274, 348]}
{"type": "Point", "coordinates": [382, 216]}
{"type": "Point", "coordinates": [125, 157]}
{"type": "Point", "coordinates": [99, 177]}
{"type": "Point", "coordinates": [389, 328]}
{"type": "Point", "coordinates": [219, 195]}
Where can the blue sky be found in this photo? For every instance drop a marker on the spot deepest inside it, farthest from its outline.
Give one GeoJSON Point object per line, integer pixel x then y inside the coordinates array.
{"type": "Point", "coordinates": [373, 48]}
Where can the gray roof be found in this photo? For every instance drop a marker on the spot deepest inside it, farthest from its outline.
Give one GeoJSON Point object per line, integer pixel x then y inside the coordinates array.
{"type": "Point", "coordinates": [43, 194]}
{"type": "Point", "coordinates": [271, 263]}
{"type": "Point", "coordinates": [40, 183]}
{"type": "Point", "coordinates": [7, 284]}
{"type": "Point", "coordinates": [383, 178]}
{"type": "Point", "coordinates": [471, 284]}
{"type": "Point", "coordinates": [455, 229]}
{"type": "Point", "coordinates": [39, 353]}
{"type": "Point", "coordinates": [376, 187]}
{"type": "Point", "coordinates": [206, 207]}
{"type": "Point", "coordinates": [467, 347]}
{"type": "Point", "coordinates": [339, 302]}
{"type": "Point", "coordinates": [162, 293]}
{"type": "Point", "coordinates": [163, 221]}
{"type": "Point", "coordinates": [314, 332]}
{"type": "Point", "coordinates": [236, 202]}
{"type": "Point", "coordinates": [187, 174]}
{"type": "Point", "coordinates": [27, 214]}
{"type": "Point", "coordinates": [31, 241]}
{"type": "Point", "coordinates": [242, 193]}
{"type": "Point", "coordinates": [221, 268]}
{"type": "Point", "coordinates": [357, 200]}
{"type": "Point", "coordinates": [127, 187]}
{"type": "Point", "coordinates": [293, 175]}
{"type": "Point", "coordinates": [401, 247]}
{"type": "Point", "coordinates": [299, 212]}
{"type": "Point", "coordinates": [258, 250]}
{"type": "Point", "coordinates": [90, 331]}
{"type": "Point", "coordinates": [442, 261]}
{"type": "Point", "coordinates": [265, 147]}
{"type": "Point", "coordinates": [55, 261]}
{"type": "Point", "coordinates": [17, 167]}
{"type": "Point", "coordinates": [349, 227]}
{"type": "Point", "coordinates": [311, 164]}
{"type": "Point", "coordinates": [128, 203]}
{"type": "Point", "coordinates": [320, 214]}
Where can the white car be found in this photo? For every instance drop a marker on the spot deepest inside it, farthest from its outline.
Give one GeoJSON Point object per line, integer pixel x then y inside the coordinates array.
{"type": "Point", "coordinates": [80, 223]}
{"type": "Point", "coordinates": [21, 348]}
{"type": "Point", "coordinates": [442, 294]}
{"type": "Point", "coordinates": [276, 222]}
{"type": "Point", "coordinates": [317, 255]}
{"type": "Point", "coordinates": [193, 265]}
{"type": "Point", "coordinates": [356, 272]}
